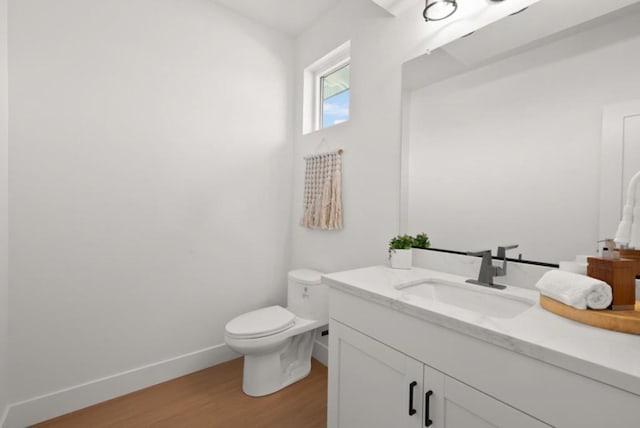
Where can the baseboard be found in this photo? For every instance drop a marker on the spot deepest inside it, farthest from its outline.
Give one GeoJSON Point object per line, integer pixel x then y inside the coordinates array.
{"type": "Point", "coordinates": [44, 407]}
{"type": "Point", "coordinates": [321, 353]}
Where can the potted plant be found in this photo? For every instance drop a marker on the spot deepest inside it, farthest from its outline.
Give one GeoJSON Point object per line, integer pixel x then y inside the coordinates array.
{"type": "Point", "coordinates": [400, 251]}
{"type": "Point", "coordinates": [421, 241]}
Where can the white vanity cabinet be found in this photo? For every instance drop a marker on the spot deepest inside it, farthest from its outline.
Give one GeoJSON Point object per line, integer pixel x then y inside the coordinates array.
{"type": "Point", "coordinates": [380, 346]}
{"type": "Point", "coordinates": [373, 385]}
{"type": "Point", "coordinates": [456, 405]}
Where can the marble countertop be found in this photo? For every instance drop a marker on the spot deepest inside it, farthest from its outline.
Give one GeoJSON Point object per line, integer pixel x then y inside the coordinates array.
{"type": "Point", "coordinates": [606, 356]}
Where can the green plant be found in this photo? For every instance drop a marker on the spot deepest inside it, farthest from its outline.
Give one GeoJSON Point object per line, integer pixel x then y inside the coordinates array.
{"type": "Point", "coordinates": [406, 242]}
{"type": "Point", "coordinates": [400, 242]}
{"type": "Point", "coordinates": [421, 241]}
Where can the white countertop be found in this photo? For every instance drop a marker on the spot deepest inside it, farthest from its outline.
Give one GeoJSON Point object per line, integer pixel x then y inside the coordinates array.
{"type": "Point", "coordinates": [609, 357]}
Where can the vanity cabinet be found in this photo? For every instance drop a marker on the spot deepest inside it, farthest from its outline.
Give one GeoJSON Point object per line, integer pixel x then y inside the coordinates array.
{"type": "Point", "coordinates": [373, 385]}
{"type": "Point", "coordinates": [379, 347]}
{"type": "Point", "coordinates": [372, 382]}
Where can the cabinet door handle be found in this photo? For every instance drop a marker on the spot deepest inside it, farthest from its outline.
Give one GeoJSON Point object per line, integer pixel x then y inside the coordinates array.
{"type": "Point", "coordinates": [412, 385]}
{"type": "Point", "coordinates": [427, 421]}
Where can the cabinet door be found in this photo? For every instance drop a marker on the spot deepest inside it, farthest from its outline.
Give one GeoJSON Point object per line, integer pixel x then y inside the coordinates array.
{"type": "Point", "coordinates": [370, 384]}
{"type": "Point", "coordinates": [453, 404]}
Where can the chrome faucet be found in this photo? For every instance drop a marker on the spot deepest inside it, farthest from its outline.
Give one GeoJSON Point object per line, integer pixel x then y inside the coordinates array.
{"type": "Point", "coordinates": [488, 270]}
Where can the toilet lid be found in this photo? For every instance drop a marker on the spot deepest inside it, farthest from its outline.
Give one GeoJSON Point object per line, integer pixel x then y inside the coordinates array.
{"type": "Point", "coordinates": [260, 323]}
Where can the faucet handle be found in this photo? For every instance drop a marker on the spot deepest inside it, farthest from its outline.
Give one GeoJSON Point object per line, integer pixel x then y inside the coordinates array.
{"type": "Point", "coordinates": [502, 250]}
{"type": "Point", "coordinates": [478, 253]}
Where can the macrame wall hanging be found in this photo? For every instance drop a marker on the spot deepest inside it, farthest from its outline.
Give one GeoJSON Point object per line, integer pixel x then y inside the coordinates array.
{"type": "Point", "coordinates": [323, 191]}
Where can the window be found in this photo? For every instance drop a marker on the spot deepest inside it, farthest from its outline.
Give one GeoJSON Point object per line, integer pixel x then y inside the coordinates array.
{"type": "Point", "coordinates": [334, 87]}
{"type": "Point", "coordinates": [327, 90]}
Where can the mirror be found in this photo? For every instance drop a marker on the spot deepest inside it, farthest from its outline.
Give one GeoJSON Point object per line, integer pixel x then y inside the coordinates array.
{"type": "Point", "coordinates": [502, 144]}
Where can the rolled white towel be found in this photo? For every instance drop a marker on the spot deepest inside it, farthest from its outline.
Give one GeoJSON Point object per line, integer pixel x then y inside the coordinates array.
{"type": "Point", "coordinates": [575, 290]}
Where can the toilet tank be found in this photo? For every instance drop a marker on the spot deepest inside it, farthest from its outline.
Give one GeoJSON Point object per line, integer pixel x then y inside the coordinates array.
{"type": "Point", "coordinates": [307, 297]}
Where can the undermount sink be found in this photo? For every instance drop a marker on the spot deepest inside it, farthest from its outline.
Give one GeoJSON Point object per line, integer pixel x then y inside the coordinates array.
{"type": "Point", "coordinates": [490, 302]}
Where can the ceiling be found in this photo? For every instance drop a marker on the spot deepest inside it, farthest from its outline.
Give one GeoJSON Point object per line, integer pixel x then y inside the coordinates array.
{"type": "Point", "coordinates": [289, 16]}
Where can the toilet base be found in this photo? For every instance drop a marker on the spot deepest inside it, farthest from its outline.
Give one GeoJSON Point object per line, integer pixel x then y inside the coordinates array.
{"type": "Point", "coordinates": [268, 373]}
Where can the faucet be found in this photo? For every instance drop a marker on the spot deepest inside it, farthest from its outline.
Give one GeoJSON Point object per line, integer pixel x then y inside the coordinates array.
{"type": "Point", "coordinates": [488, 270]}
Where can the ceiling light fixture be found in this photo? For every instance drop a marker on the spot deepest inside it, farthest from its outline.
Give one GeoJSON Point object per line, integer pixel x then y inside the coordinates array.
{"type": "Point", "coordinates": [436, 10]}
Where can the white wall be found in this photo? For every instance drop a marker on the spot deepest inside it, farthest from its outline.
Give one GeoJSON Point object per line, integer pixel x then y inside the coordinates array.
{"type": "Point", "coordinates": [370, 139]}
{"type": "Point", "coordinates": [4, 285]}
{"type": "Point", "coordinates": [510, 153]}
{"type": "Point", "coordinates": [150, 182]}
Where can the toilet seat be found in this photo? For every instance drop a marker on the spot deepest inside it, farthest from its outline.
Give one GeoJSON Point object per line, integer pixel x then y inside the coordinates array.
{"type": "Point", "coordinates": [260, 323]}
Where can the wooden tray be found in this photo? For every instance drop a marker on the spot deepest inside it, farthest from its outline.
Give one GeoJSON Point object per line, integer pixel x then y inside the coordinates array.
{"type": "Point", "coordinates": [623, 321]}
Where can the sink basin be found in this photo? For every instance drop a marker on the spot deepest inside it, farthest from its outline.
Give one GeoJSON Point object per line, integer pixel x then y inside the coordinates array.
{"type": "Point", "coordinates": [490, 302]}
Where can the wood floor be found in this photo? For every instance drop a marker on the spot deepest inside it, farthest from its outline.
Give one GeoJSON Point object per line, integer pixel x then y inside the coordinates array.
{"type": "Point", "coordinates": [209, 398]}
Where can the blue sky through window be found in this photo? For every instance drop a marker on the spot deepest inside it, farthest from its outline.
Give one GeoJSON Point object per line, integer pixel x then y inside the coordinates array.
{"type": "Point", "coordinates": [335, 109]}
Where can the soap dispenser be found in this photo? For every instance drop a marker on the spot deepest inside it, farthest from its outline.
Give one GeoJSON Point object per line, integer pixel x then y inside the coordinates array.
{"type": "Point", "coordinates": [609, 250]}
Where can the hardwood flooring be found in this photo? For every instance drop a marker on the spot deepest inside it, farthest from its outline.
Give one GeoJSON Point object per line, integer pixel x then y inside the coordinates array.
{"type": "Point", "coordinates": [209, 398]}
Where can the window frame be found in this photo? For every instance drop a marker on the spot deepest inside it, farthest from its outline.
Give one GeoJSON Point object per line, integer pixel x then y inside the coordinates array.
{"type": "Point", "coordinates": [311, 85]}
{"type": "Point", "coordinates": [319, 76]}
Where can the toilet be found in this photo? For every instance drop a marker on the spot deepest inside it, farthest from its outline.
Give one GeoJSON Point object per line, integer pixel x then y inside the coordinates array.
{"type": "Point", "coordinates": [277, 342]}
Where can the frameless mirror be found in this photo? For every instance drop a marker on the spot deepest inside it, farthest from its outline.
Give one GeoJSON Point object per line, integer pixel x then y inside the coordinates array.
{"type": "Point", "coordinates": [504, 144]}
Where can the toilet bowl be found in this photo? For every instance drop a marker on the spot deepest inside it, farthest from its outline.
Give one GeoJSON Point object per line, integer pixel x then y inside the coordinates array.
{"type": "Point", "coordinates": [277, 342]}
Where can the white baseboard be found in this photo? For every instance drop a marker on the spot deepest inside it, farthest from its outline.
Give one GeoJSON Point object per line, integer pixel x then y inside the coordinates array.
{"type": "Point", "coordinates": [321, 353]}
{"type": "Point", "coordinates": [38, 409]}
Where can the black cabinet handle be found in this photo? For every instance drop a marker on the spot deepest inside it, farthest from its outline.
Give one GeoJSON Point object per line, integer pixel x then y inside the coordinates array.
{"type": "Point", "coordinates": [427, 421]}
{"type": "Point", "coordinates": [412, 385]}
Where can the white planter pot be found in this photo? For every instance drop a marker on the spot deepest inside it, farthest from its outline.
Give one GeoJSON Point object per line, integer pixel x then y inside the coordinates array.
{"type": "Point", "coordinates": [401, 259]}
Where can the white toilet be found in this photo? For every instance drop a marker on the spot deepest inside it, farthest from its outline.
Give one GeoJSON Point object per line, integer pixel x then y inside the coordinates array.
{"type": "Point", "coordinates": [277, 342]}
